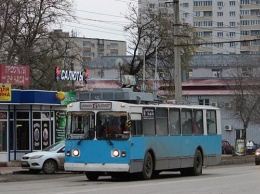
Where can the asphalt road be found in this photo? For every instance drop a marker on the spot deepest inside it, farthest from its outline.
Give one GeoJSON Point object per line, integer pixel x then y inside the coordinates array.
{"type": "Point", "coordinates": [230, 179]}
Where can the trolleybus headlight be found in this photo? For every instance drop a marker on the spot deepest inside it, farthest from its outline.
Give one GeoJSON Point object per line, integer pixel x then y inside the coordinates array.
{"type": "Point", "coordinates": [75, 152]}
{"type": "Point", "coordinates": [115, 153]}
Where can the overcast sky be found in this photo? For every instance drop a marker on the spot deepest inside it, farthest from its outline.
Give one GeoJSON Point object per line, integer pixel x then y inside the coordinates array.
{"type": "Point", "coordinates": [102, 19]}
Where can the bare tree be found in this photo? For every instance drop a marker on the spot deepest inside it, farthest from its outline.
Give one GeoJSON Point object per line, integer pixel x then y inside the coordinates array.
{"type": "Point", "coordinates": [245, 86]}
{"type": "Point", "coordinates": [26, 39]}
{"type": "Point", "coordinates": [151, 36]}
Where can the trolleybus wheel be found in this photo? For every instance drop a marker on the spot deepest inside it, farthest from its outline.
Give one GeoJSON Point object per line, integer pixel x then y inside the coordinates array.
{"type": "Point", "coordinates": [49, 167]}
{"type": "Point", "coordinates": [92, 176]}
{"type": "Point", "coordinates": [147, 167]}
{"type": "Point", "coordinates": [197, 164]}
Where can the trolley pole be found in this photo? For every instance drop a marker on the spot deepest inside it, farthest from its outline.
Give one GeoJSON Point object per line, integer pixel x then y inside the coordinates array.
{"type": "Point", "coordinates": [177, 59]}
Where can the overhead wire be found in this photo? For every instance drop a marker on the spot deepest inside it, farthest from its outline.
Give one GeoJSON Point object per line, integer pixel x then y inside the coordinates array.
{"type": "Point", "coordinates": [103, 21]}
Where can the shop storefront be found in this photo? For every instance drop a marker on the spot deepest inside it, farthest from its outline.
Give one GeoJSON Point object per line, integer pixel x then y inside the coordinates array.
{"type": "Point", "coordinates": [32, 120]}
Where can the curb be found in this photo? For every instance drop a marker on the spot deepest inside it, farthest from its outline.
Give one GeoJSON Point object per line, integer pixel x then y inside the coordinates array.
{"type": "Point", "coordinates": [229, 159]}
{"type": "Point", "coordinates": [7, 173]}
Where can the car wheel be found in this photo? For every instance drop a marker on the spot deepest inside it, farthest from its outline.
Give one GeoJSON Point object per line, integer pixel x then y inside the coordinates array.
{"type": "Point", "coordinates": [49, 167]}
{"type": "Point", "coordinates": [34, 171]}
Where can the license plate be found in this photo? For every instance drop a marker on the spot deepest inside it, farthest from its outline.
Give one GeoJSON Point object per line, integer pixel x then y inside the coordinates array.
{"type": "Point", "coordinates": [24, 163]}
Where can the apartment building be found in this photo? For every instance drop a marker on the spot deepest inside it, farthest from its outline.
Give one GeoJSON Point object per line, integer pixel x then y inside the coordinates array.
{"type": "Point", "coordinates": [223, 26]}
{"type": "Point", "coordinates": [91, 48]}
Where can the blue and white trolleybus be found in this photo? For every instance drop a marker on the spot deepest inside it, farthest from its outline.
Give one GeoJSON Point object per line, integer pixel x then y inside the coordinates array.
{"type": "Point", "coordinates": [119, 138]}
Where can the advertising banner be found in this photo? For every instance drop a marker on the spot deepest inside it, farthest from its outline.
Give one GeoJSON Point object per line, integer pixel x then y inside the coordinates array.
{"type": "Point", "coordinates": [239, 147]}
{"type": "Point", "coordinates": [36, 135]}
{"type": "Point", "coordinates": [17, 75]}
{"type": "Point", "coordinates": [45, 134]}
{"type": "Point", "coordinates": [5, 92]}
{"type": "Point", "coordinates": [69, 98]}
{"type": "Point", "coordinates": [60, 124]}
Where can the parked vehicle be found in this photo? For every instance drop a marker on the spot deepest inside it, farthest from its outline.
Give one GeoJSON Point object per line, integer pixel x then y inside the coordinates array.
{"type": "Point", "coordinates": [49, 160]}
{"type": "Point", "coordinates": [257, 156]}
{"type": "Point", "coordinates": [227, 148]}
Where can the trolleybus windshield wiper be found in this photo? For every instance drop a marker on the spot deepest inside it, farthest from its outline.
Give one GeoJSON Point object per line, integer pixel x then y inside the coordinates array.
{"type": "Point", "coordinates": [84, 135]}
{"type": "Point", "coordinates": [109, 141]}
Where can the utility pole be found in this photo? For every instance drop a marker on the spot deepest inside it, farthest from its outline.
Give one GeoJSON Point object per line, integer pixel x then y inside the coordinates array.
{"type": "Point", "coordinates": [177, 56]}
{"type": "Point", "coordinates": [143, 85]}
{"type": "Point", "coordinates": [72, 81]}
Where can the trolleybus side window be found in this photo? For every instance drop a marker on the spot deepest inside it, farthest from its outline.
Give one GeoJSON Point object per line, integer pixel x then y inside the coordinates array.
{"type": "Point", "coordinates": [197, 122]}
{"type": "Point", "coordinates": [174, 121]}
{"type": "Point", "coordinates": [211, 122]}
{"type": "Point", "coordinates": [161, 121]}
{"type": "Point", "coordinates": [186, 121]}
{"type": "Point", "coordinates": [136, 125]}
{"type": "Point", "coordinates": [148, 121]}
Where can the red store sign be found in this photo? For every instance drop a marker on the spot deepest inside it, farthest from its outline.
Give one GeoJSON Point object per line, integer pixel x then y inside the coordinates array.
{"type": "Point", "coordinates": [17, 75]}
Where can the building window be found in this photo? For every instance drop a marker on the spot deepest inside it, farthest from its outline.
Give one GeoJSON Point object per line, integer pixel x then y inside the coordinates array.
{"type": "Point", "coordinates": [87, 54]}
{"type": "Point", "coordinates": [114, 46]}
{"type": "Point", "coordinates": [232, 34]}
{"type": "Point", "coordinates": [232, 24]}
{"type": "Point", "coordinates": [220, 4]}
{"type": "Point", "coordinates": [3, 131]}
{"type": "Point", "coordinates": [246, 72]}
{"type": "Point", "coordinates": [220, 34]}
{"type": "Point", "coordinates": [22, 131]}
{"type": "Point", "coordinates": [245, 2]}
{"type": "Point", "coordinates": [220, 24]}
{"type": "Point", "coordinates": [203, 101]}
{"type": "Point", "coordinates": [232, 44]}
{"type": "Point", "coordinates": [185, 5]}
{"type": "Point", "coordinates": [101, 73]}
{"type": "Point", "coordinates": [219, 45]}
{"type": "Point", "coordinates": [232, 13]}
{"type": "Point", "coordinates": [87, 44]}
{"type": "Point", "coordinates": [245, 33]}
{"type": "Point", "coordinates": [185, 15]}
{"type": "Point", "coordinates": [202, 3]}
{"type": "Point", "coordinates": [216, 72]}
{"type": "Point", "coordinates": [232, 3]}
{"type": "Point", "coordinates": [190, 73]}
{"type": "Point", "coordinates": [219, 14]}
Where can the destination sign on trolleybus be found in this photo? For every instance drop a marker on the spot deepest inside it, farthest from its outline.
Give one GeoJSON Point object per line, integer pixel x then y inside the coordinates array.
{"type": "Point", "coordinates": [95, 105]}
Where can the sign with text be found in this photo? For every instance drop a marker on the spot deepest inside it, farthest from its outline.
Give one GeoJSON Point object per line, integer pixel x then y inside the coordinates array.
{"type": "Point", "coordinates": [69, 75]}
{"type": "Point", "coordinates": [17, 75]}
{"type": "Point", "coordinates": [148, 113]}
{"type": "Point", "coordinates": [95, 105]}
{"type": "Point", "coordinates": [5, 92]}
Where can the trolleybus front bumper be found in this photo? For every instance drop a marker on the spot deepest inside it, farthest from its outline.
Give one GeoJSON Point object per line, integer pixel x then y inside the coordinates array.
{"type": "Point", "coordinates": [82, 167]}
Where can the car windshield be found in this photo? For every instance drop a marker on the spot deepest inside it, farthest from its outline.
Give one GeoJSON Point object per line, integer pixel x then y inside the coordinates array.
{"type": "Point", "coordinates": [55, 147]}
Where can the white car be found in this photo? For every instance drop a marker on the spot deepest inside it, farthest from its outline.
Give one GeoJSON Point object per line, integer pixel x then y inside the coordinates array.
{"type": "Point", "coordinates": [49, 160]}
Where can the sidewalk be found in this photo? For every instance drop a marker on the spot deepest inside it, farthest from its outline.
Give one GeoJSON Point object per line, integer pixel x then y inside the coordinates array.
{"type": "Point", "coordinates": [13, 167]}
